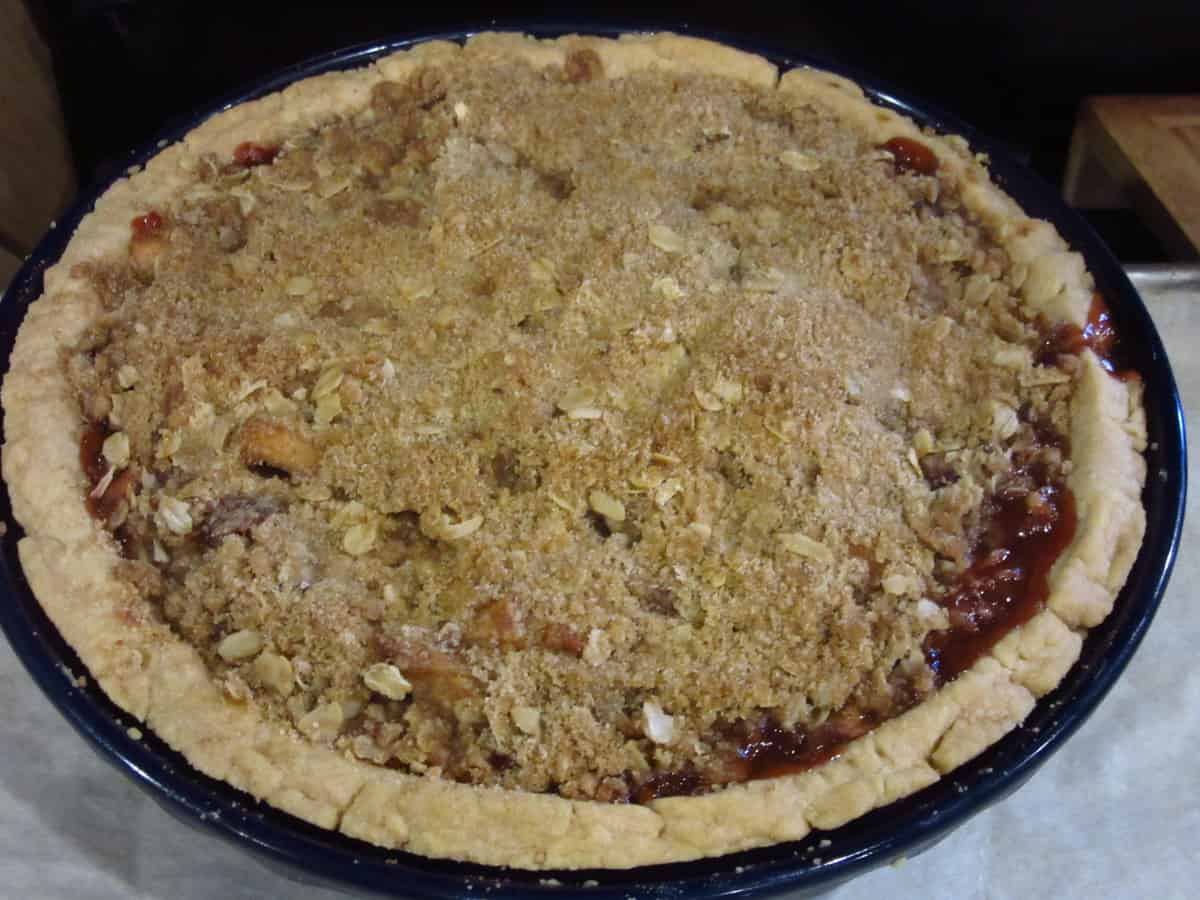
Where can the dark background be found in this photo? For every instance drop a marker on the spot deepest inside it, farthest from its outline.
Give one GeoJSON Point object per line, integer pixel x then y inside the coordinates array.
{"type": "Point", "coordinates": [1017, 71]}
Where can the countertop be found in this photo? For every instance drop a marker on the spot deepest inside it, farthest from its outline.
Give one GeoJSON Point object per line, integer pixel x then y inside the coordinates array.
{"type": "Point", "coordinates": [1114, 814]}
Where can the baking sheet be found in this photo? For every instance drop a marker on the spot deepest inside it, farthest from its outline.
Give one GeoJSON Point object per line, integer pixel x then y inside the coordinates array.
{"type": "Point", "coordinates": [1115, 813]}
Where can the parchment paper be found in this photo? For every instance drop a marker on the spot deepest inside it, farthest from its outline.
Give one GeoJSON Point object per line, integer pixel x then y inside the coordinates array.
{"type": "Point", "coordinates": [1115, 813]}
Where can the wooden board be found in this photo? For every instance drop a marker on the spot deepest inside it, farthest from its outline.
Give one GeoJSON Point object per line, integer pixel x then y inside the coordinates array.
{"type": "Point", "coordinates": [36, 173]}
{"type": "Point", "coordinates": [1142, 152]}
{"type": "Point", "coordinates": [8, 268]}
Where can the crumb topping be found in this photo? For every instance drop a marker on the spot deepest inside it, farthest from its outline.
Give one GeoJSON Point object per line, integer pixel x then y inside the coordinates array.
{"type": "Point", "coordinates": [564, 433]}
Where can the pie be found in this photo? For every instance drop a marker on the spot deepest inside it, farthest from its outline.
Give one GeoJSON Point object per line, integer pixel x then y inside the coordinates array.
{"type": "Point", "coordinates": [574, 453]}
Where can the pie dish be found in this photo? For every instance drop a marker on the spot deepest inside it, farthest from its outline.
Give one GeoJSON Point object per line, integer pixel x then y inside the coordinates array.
{"type": "Point", "coordinates": [220, 711]}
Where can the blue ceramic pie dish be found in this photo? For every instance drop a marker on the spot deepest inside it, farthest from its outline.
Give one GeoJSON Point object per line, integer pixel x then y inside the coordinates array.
{"type": "Point", "coordinates": [903, 829]}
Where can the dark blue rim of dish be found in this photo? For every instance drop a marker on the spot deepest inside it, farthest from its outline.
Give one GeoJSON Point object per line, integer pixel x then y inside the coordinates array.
{"type": "Point", "coordinates": [903, 829]}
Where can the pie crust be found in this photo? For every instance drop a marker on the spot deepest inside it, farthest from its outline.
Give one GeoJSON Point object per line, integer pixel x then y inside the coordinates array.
{"type": "Point", "coordinates": [70, 560]}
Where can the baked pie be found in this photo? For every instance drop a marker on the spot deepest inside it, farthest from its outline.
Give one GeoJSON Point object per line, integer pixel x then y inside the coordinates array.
{"type": "Point", "coordinates": [574, 453]}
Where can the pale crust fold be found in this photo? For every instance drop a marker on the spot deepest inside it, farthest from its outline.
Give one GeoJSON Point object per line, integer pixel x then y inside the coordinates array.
{"type": "Point", "coordinates": [69, 560]}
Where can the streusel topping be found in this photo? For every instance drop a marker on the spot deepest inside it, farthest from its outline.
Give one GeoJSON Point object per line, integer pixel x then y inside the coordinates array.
{"type": "Point", "coordinates": [565, 433]}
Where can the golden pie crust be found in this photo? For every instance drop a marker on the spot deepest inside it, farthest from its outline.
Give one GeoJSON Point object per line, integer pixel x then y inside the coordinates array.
{"type": "Point", "coordinates": [71, 561]}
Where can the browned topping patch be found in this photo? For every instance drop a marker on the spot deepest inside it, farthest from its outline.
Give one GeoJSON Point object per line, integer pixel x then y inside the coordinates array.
{"type": "Point", "coordinates": [583, 65]}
